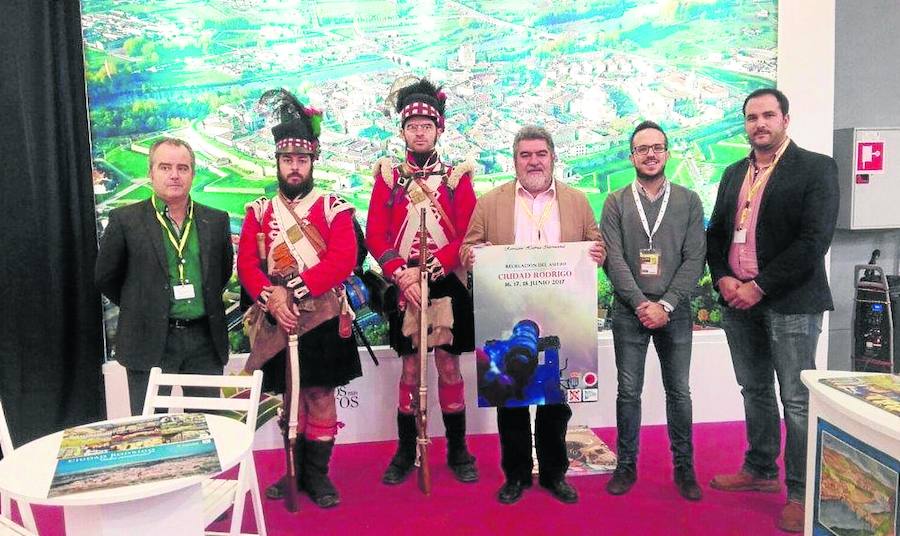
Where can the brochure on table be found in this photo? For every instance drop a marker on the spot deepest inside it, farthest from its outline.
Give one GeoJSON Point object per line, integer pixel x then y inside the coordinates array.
{"type": "Point", "coordinates": [156, 448]}
{"type": "Point", "coordinates": [879, 390]}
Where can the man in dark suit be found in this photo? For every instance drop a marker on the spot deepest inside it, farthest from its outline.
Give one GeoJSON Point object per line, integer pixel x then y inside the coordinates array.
{"type": "Point", "coordinates": [772, 224]}
{"type": "Point", "coordinates": [165, 263]}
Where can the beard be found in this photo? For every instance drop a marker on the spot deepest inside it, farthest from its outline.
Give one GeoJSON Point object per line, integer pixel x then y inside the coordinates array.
{"type": "Point", "coordinates": [536, 183]}
{"type": "Point", "coordinates": [776, 137]}
{"type": "Point", "coordinates": [295, 191]}
{"type": "Point", "coordinates": [651, 178]}
{"type": "Point", "coordinates": [422, 159]}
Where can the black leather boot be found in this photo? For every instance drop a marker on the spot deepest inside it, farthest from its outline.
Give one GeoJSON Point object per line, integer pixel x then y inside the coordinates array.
{"type": "Point", "coordinates": [460, 460]}
{"type": "Point", "coordinates": [314, 477]}
{"type": "Point", "coordinates": [402, 462]}
{"type": "Point", "coordinates": [277, 490]}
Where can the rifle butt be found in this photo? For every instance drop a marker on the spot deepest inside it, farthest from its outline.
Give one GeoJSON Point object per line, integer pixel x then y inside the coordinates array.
{"type": "Point", "coordinates": [290, 487]}
{"type": "Point", "coordinates": [424, 470]}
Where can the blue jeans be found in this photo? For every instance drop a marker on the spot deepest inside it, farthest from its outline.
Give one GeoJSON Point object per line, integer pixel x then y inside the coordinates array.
{"type": "Point", "coordinates": [763, 344]}
{"type": "Point", "coordinates": [673, 345]}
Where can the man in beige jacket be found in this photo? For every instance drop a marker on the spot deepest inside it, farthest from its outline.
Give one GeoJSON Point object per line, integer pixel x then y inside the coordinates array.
{"type": "Point", "coordinates": [533, 209]}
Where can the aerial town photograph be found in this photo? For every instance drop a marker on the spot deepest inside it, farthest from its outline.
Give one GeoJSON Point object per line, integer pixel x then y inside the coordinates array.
{"type": "Point", "coordinates": [587, 70]}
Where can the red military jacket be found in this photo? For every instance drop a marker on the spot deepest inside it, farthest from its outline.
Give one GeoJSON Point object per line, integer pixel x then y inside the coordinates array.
{"type": "Point", "coordinates": [388, 214]}
{"type": "Point", "coordinates": [330, 215]}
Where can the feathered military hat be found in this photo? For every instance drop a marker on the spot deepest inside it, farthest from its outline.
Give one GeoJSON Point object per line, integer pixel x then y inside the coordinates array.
{"type": "Point", "coordinates": [417, 96]}
{"type": "Point", "coordinates": [296, 127]}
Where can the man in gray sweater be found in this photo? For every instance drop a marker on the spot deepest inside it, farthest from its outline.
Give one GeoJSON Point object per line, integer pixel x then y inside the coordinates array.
{"type": "Point", "coordinates": [656, 248]}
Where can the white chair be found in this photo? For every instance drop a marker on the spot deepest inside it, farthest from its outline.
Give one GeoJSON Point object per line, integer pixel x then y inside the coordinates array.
{"type": "Point", "coordinates": [7, 525]}
{"type": "Point", "coordinates": [218, 494]}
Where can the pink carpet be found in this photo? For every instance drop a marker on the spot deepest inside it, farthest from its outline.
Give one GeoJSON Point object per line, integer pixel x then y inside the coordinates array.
{"type": "Point", "coordinates": [652, 507]}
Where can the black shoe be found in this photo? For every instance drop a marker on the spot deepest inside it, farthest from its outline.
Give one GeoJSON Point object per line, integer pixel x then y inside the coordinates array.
{"type": "Point", "coordinates": [277, 491]}
{"type": "Point", "coordinates": [512, 491]}
{"type": "Point", "coordinates": [687, 485]}
{"type": "Point", "coordinates": [315, 481]}
{"type": "Point", "coordinates": [466, 472]}
{"type": "Point", "coordinates": [460, 460]}
{"type": "Point", "coordinates": [398, 470]}
{"type": "Point", "coordinates": [623, 479]}
{"type": "Point", "coordinates": [562, 490]}
{"type": "Point", "coordinates": [402, 463]}
{"type": "Point", "coordinates": [326, 501]}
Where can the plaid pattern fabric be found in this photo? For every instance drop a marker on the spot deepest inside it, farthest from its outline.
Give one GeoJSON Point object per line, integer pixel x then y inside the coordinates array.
{"type": "Point", "coordinates": [419, 108]}
{"type": "Point", "coordinates": [296, 143]}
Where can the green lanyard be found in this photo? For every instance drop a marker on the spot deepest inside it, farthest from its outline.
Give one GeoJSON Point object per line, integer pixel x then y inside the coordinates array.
{"type": "Point", "coordinates": [178, 244]}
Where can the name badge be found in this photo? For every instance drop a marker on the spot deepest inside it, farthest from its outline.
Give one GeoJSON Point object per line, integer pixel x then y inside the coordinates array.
{"type": "Point", "coordinates": [184, 292]}
{"type": "Point", "coordinates": [649, 260]}
{"type": "Point", "coordinates": [740, 236]}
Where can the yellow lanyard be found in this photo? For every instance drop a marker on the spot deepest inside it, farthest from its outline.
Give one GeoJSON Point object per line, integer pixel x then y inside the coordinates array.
{"type": "Point", "coordinates": [180, 243]}
{"type": "Point", "coordinates": [758, 183]}
{"type": "Point", "coordinates": [540, 222]}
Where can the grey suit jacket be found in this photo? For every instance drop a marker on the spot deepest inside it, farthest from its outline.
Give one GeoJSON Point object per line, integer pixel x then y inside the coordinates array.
{"type": "Point", "coordinates": [494, 219]}
{"type": "Point", "coordinates": [132, 272]}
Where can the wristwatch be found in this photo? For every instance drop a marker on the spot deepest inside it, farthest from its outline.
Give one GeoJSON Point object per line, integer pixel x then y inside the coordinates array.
{"type": "Point", "coordinates": [666, 306]}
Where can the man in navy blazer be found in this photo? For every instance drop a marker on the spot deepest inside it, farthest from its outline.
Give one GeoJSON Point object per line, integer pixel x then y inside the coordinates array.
{"type": "Point", "coordinates": [771, 227]}
{"type": "Point", "coordinates": [165, 262]}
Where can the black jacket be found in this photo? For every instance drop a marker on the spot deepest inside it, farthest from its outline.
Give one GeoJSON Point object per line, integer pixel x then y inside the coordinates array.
{"type": "Point", "coordinates": [132, 271]}
{"type": "Point", "coordinates": [793, 231]}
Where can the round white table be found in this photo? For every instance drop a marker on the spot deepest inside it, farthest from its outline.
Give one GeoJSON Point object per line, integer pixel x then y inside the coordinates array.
{"type": "Point", "coordinates": [860, 425]}
{"type": "Point", "coordinates": [163, 507]}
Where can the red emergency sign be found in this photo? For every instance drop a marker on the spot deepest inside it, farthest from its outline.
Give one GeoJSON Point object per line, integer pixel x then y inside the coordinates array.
{"type": "Point", "coordinates": [870, 156]}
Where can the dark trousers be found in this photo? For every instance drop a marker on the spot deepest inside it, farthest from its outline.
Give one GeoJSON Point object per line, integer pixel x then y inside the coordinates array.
{"type": "Point", "coordinates": [763, 344]}
{"type": "Point", "coordinates": [188, 350]}
{"type": "Point", "coordinates": [673, 345]}
{"type": "Point", "coordinates": [514, 425]}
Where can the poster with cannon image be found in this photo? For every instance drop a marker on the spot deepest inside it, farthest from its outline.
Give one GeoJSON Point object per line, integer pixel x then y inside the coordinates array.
{"type": "Point", "coordinates": [535, 325]}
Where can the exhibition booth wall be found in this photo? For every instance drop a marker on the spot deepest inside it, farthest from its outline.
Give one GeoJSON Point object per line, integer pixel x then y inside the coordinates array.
{"type": "Point", "coordinates": [367, 405]}
{"type": "Point", "coordinates": [52, 375]}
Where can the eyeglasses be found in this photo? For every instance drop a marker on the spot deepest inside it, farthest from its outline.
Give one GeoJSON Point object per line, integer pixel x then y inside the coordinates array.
{"type": "Point", "coordinates": [644, 149]}
{"type": "Point", "coordinates": [415, 127]}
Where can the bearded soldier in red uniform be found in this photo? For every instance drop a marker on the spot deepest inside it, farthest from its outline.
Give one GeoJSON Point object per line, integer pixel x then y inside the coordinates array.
{"type": "Point", "coordinates": [308, 247]}
{"type": "Point", "coordinates": [401, 190]}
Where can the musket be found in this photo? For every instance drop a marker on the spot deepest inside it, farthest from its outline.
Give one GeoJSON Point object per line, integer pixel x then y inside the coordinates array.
{"type": "Point", "coordinates": [424, 473]}
{"type": "Point", "coordinates": [288, 421]}
{"type": "Point", "coordinates": [291, 404]}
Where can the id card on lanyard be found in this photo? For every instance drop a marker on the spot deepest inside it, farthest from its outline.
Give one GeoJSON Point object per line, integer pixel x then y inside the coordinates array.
{"type": "Point", "coordinates": [185, 289]}
{"type": "Point", "coordinates": [758, 180]}
{"type": "Point", "coordinates": [537, 223]}
{"type": "Point", "coordinates": [650, 257]}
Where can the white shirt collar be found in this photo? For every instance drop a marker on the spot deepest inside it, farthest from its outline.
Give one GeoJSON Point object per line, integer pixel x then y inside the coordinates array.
{"type": "Point", "coordinates": [551, 190]}
{"type": "Point", "coordinates": [659, 193]}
